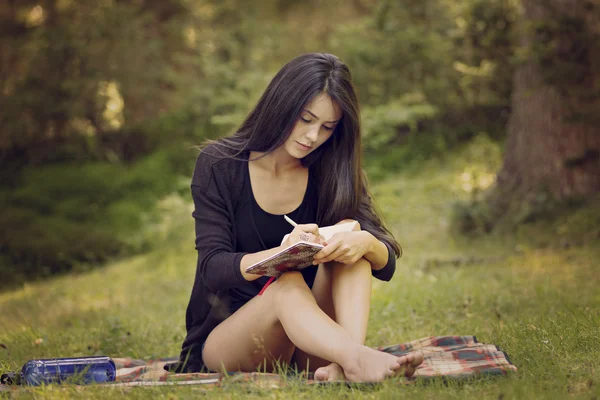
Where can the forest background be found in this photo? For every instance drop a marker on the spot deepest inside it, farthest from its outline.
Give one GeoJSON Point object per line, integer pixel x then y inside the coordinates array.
{"type": "Point", "coordinates": [102, 103]}
{"type": "Point", "coordinates": [481, 137]}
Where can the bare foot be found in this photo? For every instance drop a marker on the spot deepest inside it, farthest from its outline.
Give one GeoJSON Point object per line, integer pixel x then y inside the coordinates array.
{"type": "Point", "coordinates": [332, 372]}
{"type": "Point", "coordinates": [364, 364]}
{"type": "Point", "coordinates": [410, 362]}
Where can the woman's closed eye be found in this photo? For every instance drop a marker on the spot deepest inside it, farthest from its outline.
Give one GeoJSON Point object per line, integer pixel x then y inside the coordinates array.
{"type": "Point", "coordinates": [308, 121]}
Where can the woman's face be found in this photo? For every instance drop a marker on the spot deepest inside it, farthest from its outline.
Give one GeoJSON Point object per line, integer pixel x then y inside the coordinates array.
{"type": "Point", "coordinates": [315, 125]}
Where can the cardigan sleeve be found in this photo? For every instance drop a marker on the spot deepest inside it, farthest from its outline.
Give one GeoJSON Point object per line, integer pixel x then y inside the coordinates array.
{"type": "Point", "coordinates": [218, 262]}
{"type": "Point", "coordinates": [386, 273]}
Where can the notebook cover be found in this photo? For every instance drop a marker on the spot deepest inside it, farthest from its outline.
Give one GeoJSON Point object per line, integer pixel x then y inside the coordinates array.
{"type": "Point", "coordinates": [294, 258]}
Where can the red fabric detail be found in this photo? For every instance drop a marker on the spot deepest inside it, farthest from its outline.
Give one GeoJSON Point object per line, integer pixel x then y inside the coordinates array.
{"type": "Point", "coordinates": [266, 286]}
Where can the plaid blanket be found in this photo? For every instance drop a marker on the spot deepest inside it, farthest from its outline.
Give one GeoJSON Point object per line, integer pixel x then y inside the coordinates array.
{"type": "Point", "coordinates": [453, 357]}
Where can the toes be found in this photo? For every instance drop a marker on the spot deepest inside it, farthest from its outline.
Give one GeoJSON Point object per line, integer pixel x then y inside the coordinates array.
{"type": "Point", "coordinates": [415, 360]}
{"type": "Point", "coordinates": [337, 374]}
{"type": "Point", "coordinates": [418, 359]}
{"type": "Point", "coordinates": [321, 374]}
{"type": "Point", "coordinates": [409, 371]}
{"type": "Point", "coordinates": [400, 361]}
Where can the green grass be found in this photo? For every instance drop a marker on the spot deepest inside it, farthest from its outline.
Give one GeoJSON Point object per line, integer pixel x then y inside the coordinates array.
{"type": "Point", "coordinates": [535, 298]}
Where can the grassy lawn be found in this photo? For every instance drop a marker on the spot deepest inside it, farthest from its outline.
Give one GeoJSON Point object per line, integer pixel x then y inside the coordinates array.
{"type": "Point", "coordinates": [534, 293]}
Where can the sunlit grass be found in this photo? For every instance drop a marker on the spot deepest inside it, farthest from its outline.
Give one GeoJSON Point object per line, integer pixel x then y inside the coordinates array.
{"type": "Point", "coordinates": [540, 304]}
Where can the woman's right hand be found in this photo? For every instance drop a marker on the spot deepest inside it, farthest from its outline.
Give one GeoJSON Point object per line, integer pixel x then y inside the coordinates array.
{"type": "Point", "coordinates": [305, 233]}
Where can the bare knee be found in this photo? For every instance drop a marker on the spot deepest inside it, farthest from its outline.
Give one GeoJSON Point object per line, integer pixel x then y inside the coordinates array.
{"type": "Point", "coordinates": [361, 265]}
{"type": "Point", "coordinates": [287, 286]}
{"type": "Point", "coordinates": [289, 282]}
{"type": "Point", "coordinates": [290, 277]}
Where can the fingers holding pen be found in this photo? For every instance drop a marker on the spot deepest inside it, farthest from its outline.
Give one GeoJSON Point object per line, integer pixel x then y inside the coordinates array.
{"type": "Point", "coordinates": [307, 228]}
{"type": "Point", "coordinates": [306, 233]}
{"type": "Point", "coordinates": [313, 235]}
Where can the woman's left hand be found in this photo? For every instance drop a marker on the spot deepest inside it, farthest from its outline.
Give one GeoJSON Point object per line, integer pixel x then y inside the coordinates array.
{"type": "Point", "coordinates": [345, 247]}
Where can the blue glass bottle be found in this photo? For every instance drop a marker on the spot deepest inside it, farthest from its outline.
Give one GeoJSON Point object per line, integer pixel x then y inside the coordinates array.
{"type": "Point", "coordinates": [78, 370]}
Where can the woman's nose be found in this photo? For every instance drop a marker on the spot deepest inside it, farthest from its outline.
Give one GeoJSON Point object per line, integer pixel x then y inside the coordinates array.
{"type": "Point", "coordinates": [313, 134]}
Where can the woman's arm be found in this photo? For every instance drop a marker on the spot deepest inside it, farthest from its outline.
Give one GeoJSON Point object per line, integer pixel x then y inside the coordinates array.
{"type": "Point", "coordinates": [348, 247]}
{"type": "Point", "coordinates": [253, 258]}
{"type": "Point", "coordinates": [308, 232]}
{"type": "Point", "coordinates": [377, 254]}
{"type": "Point", "coordinates": [382, 258]}
{"type": "Point", "coordinates": [218, 262]}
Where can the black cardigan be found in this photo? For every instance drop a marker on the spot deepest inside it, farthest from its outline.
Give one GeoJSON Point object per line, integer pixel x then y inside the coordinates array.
{"type": "Point", "coordinates": [221, 210]}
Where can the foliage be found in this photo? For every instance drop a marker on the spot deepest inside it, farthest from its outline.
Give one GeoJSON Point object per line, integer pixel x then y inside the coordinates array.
{"type": "Point", "coordinates": [91, 69]}
{"type": "Point", "coordinates": [473, 216]}
{"type": "Point", "coordinates": [451, 59]}
{"type": "Point", "coordinates": [97, 87]}
{"type": "Point", "coordinates": [481, 215]}
{"type": "Point", "coordinates": [564, 46]}
{"type": "Point", "coordinates": [573, 220]}
{"type": "Point", "coordinates": [63, 215]}
{"type": "Point", "coordinates": [384, 124]}
{"type": "Point", "coordinates": [83, 56]}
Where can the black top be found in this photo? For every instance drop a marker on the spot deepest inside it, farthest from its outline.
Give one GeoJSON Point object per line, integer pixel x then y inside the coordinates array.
{"type": "Point", "coordinates": [227, 227]}
{"type": "Point", "coordinates": [271, 228]}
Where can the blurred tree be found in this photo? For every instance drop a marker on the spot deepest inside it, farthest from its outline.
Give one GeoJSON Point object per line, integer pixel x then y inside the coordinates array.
{"type": "Point", "coordinates": [553, 142]}
{"type": "Point", "coordinates": [121, 77]}
{"type": "Point", "coordinates": [440, 61]}
{"type": "Point", "coordinates": [121, 86]}
{"type": "Point", "coordinates": [69, 69]}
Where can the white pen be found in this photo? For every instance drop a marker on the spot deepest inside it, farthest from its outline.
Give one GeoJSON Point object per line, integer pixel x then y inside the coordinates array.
{"type": "Point", "coordinates": [288, 219]}
{"type": "Point", "coordinates": [291, 221]}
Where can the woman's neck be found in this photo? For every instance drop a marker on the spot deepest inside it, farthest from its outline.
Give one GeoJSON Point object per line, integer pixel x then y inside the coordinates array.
{"type": "Point", "coordinates": [278, 163]}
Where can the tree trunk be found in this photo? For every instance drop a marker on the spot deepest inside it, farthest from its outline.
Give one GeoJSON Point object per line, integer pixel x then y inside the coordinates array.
{"type": "Point", "coordinates": [553, 141]}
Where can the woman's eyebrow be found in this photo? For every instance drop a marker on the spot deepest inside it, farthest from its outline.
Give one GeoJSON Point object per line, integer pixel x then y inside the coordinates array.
{"type": "Point", "coordinates": [327, 122]}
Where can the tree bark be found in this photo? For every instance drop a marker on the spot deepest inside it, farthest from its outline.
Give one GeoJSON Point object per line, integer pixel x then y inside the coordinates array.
{"type": "Point", "coordinates": [551, 145]}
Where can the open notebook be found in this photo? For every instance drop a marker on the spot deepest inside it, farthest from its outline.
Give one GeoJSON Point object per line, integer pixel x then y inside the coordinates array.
{"type": "Point", "coordinates": [298, 255]}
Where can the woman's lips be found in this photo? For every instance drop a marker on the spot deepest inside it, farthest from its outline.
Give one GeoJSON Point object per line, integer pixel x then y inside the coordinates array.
{"type": "Point", "coordinates": [304, 147]}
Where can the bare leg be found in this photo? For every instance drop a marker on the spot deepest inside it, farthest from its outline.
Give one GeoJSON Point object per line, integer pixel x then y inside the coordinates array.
{"type": "Point", "coordinates": [347, 301]}
{"type": "Point", "coordinates": [322, 292]}
{"type": "Point", "coordinates": [287, 315]}
{"type": "Point", "coordinates": [344, 293]}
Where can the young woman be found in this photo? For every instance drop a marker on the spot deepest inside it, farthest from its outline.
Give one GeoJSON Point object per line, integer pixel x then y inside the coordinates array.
{"type": "Point", "coordinates": [298, 153]}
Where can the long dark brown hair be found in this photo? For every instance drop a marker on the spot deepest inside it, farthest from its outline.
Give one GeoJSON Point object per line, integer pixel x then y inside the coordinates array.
{"type": "Point", "coordinates": [337, 163]}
